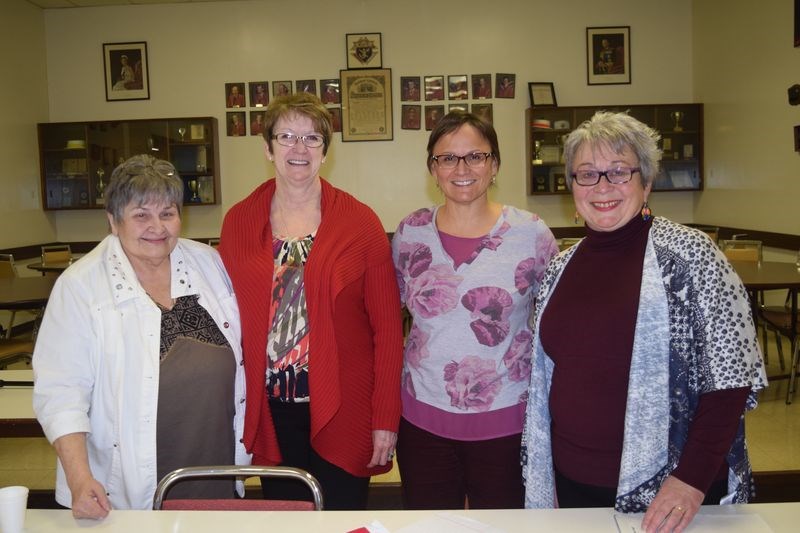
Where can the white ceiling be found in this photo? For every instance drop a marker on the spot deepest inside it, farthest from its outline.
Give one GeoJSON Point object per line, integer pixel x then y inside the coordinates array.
{"type": "Point", "coordinates": [58, 4]}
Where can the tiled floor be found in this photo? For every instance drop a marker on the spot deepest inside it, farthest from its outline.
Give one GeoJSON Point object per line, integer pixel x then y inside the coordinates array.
{"type": "Point", "coordinates": [773, 436]}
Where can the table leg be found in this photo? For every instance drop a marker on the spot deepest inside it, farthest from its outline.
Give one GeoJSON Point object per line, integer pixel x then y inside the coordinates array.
{"type": "Point", "coordinates": [794, 344]}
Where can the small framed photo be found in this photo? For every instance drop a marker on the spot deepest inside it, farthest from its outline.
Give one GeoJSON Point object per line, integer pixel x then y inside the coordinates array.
{"type": "Point", "coordinates": [281, 88]}
{"type": "Point", "coordinates": [484, 111]}
{"type": "Point", "coordinates": [434, 88]}
{"type": "Point", "coordinates": [481, 86]}
{"type": "Point", "coordinates": [542, 93]}
{"type": "Point", "coordinates": [409, 89]}
{"type": "Point", "coordinates": [336, 118]}
{"type": "Point", "coordinates": [463, 107]}
{"type": "Point", "coordinates": [433, 114]}
{"type": "Point", "coordinates": [306, 86]}
{"type": "Point", "coordinates": [126, 71]}
{"type": "Point", "coordinates": [506, 84]}
{"type": "Point", "coordinates": [234, 94]}
{"type": "Point", "coordinates": [410, 117]}
{"type": "Point", "coordinates": [363, 50]}
{"type": "Point", "coordinates": [608, 55]}
{"type": "Point", "coordinates": [257, 122]}
{"type": "Point", "coordinates": [330, 92]}
{"type": "Point", "coordinates": [457, 87]}
{"type": "Point", "coordinates": [259, 93]}
{"type": "Point", "coordinates": [235, 125]}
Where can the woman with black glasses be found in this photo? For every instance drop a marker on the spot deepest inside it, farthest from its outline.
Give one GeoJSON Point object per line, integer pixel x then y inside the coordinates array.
{"type": "Point", "coordinates": [644, 354]}
{"type": "Point", "coordinates": [469, 270]}
{"type": "Point", "coordinates": [321, 325]}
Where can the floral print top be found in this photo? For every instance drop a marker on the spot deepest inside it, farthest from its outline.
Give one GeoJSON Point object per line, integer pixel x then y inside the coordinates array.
{"type": "Point", "coordinates": [469, 348]}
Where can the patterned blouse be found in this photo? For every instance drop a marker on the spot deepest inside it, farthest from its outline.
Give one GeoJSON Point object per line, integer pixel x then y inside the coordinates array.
{"type": "Point", "coordinates": [288, 337]}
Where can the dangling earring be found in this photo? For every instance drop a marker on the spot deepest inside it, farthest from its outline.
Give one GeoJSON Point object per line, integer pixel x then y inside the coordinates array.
{"type": "Point", "coordinates": [577, 217]}
{"type": "Point", "coordinates": [646, 213]}
{"type": "Point", "coordinates": [494, 180]}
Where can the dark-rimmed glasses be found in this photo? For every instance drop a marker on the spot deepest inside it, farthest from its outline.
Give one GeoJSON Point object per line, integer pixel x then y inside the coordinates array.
{"type": "Point", "coordinates": [472, 160]}
{"type": "Point", "coordinates": [312, 140]}
{"type": "Point", "coordinates": [615, 176]}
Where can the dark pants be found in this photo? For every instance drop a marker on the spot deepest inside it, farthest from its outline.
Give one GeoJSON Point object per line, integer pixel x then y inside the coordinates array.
{"type": "Point", "coordinates": [573, 494]}
{"type": "Point", "coordinates": [341, 490]}
{"type": "Point", "coordinates": [441, 473]}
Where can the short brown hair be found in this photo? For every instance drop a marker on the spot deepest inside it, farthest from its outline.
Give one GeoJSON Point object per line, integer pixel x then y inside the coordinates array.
{"type": "Point", "coordinates": [301, 103]}
{"type": "Point", "coordinates": [453, 121]}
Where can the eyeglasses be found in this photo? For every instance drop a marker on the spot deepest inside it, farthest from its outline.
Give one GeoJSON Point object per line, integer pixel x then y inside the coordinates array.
{"type": "Point", "coordinates": [311, 140]}
{"type": "Point", "coordinates": [473, 160]}
{"type": "Point", "coordinates": [615, 176]}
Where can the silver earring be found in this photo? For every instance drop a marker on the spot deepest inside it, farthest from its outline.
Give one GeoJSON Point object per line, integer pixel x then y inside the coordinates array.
{"type": "Point", "coordinates": [494, 180]}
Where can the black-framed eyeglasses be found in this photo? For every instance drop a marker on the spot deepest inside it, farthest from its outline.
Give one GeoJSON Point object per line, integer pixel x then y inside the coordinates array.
{"type": "Point", "coordinates": [472, 160]}
{"type": "Point", "coordinates": [615, 176]}
{"type": "Point", "coordinates": [312, 140]}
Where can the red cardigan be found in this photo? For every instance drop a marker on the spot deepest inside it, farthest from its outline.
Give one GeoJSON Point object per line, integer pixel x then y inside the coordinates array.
{"type": "Point", "coordinates": [356, 344]}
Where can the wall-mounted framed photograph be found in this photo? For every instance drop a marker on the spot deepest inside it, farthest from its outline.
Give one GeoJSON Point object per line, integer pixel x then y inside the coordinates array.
{"type": "Point", "coordinates": [235, 125]}
{"type": "Point", "coordinates": [484, 111]}
{"type": "Point", "coordinates": [234, 94]}
{"type": "Point", "coordinates": [506, 85]}
{"type": "Point", "coordinates": [367, 104]}
{"type": "Point", "coordinates": [457, 88]}
{"type": "Point", "coordinates": [363, 50]}
{"type": "Point", "coordinates": [434, 88]}
{"type": "Point", "coordinates": [329, 91]}
{"type": "Point", "coordinates": [481, 86]}
{"type": "Point", "coordinates": [259, 93]}
{"type": "Point", "coordinates": [336, 119]}
{"type": "Point", "coordinates": [410, 117]}
{"type": "Point", "coordinates": [433, 114]}
{"type": "Point", "coordinates": [126, 71]}
{"type": "Point", "coordinates": [542, 93]}
{"type": "Point", "coordinates": [281, 88]}
{"type": "Point", "coordinates": [306, 86]}
{"type": "Point", "coordinates": [409, 89]}
{"type": "Point", "coordinates": [608, 55]}
{"type": "Point", "coordinates": [257, 122]}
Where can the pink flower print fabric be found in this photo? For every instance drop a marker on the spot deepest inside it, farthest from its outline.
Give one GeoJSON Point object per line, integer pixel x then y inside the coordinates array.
{"type": "Point", "coordinates": [433, 292]}
{"type": "Point", "coordinates": [472, 383]}
{"type": "Point", "coordinates": [489, 308]}
{"type": "Point", "coordinates": [517, 358]}
{"type": "Point", "coordinates": [416, 346]}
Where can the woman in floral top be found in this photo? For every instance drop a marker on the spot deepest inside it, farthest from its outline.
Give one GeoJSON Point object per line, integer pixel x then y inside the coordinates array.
{"type": "Point", "coordinates": [468, 271]}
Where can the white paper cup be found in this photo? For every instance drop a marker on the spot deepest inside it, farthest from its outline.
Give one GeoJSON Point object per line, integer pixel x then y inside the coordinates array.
{"type": "Point", "coordinates": [13, 502]}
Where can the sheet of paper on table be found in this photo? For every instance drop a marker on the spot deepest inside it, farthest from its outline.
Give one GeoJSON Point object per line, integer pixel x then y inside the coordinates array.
{"type": "Point", "coordinates": [727, 523]}
{"type": "Point", "coordinates": [451, 523]}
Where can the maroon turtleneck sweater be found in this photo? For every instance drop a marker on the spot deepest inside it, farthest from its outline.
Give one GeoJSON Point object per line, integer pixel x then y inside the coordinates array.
{"type": "Point", "coordinates": [587, 329]}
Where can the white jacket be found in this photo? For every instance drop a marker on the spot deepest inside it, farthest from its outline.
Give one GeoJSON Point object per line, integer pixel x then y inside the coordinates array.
{"type": "Point", "coordinates": [96, 363]}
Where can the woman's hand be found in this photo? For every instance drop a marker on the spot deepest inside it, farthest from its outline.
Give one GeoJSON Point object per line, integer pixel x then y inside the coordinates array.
{"type": "Point", "coordinates": [89, 499]}
{"type": "Point", "coordinates": [673, 508]}
{"type": "Point", "coordinates": [383, 443]}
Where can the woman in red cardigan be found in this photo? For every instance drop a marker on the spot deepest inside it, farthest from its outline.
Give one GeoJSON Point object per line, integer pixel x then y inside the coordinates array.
{"type": "Point", "coordinates": [321, 327]}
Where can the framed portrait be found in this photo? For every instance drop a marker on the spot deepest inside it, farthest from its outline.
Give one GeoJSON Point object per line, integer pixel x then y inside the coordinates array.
{"type": "Point", "coordinates": [434, 88]}
{"type": "Point", "coordinates": [458, 107]}
{"type": "Point", "coordinates": [257, 122]}
{"type": "Point", "coordinates": [336, 118]}
{"type": "Point", "coordinates": [797, 138]}
{"type": "Point", "coordinates": [281, 88]}
{"type": "Point", "coordinates": [363, 50]}
{"type": "Point", "coordinates": [329, 91]}
{"type": "Point", "coordinates": [259, 93]}
{"type": "Point", "coordinates": [608, 55]}
{"type": "Point", "coordinates": [306, 86]}
{"type": "Point", "coordinates": [367, 104]}
{"type": "Point", "coordinates": [505, 85]}
{"type": "Point", "coordinates": [433, 114]}
{"type": "Point", "coordinates": [234, 124]}
{"type": "Point", "coordinates": [457, 87]}
{"type": "Point", "coordinates": [542, 93]}
{"type": "Point", "coordinates": [126, 71]}
{"type": "Point", "coordinates": [411, 117]}
{"type": "Point", "coordinates": [234, 94]}
{"type": "Point", "coordinates": [481, 86]}
{"type": "Point", "coordinates": [484, 111]}
{"type": "Point", "coordinates": [409, 89]}
{"type": "Point", "coordinates": [796, 23]}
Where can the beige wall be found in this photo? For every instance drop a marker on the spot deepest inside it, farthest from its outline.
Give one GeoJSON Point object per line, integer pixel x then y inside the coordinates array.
{"type": "Point", "coordinates": [744, 62]}
{"type": "Point", "coordinates": [195, 49]}
{"type": "Point", "coordinates": [23, 103]}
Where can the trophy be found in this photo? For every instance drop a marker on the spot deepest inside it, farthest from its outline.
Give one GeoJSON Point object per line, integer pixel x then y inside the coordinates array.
{"type": "Point", "coordinates": [537, 153]}
{"type": "Point", "coordinates": [101, 186]}
{"type": "Point", "coordinates": [182, 132]}
{"type": "Point", "coordinates": [193, 188]}
{"type": "Point", "coordinates": [677, 116]}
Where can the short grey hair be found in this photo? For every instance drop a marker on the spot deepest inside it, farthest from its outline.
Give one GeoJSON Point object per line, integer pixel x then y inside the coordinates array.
{"type": "Point", "coordinates": [140, 180]}
{"type": "Point", "coordinates": [616, 131]}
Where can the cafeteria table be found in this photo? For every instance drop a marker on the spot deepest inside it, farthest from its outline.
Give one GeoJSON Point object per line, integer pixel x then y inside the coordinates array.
{"type": "Point", "coordinates": [55, 266]}
{"type": "Point", "coordinates": [17, 418]}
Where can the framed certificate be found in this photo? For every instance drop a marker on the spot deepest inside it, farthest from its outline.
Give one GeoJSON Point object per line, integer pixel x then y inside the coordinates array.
{"type": "Point", "coordinates": [366, 104]}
